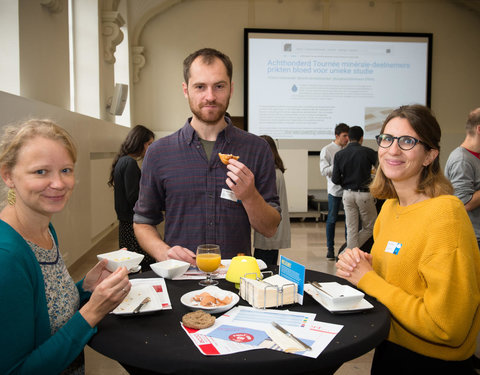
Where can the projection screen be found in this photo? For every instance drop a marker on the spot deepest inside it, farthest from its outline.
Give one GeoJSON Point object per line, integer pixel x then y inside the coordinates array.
{"type": "Point", "coordinates": [299, 84]}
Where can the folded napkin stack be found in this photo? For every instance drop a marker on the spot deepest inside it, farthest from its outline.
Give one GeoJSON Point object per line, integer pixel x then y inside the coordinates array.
{"type": "Point", "coordinates": [270, 292]}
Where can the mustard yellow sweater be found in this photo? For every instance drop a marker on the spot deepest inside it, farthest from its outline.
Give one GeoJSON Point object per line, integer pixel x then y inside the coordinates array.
{"type": "Point", "coordinates": [427, 273]}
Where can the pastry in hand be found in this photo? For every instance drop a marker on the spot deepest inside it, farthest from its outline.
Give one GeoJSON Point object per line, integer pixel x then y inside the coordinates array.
{"type": "Point", "coordinates": [226, 157]}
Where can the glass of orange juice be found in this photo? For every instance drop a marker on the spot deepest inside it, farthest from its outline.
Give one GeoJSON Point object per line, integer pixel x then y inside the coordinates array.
{"type": "Point", "coordinates": [208, 260]}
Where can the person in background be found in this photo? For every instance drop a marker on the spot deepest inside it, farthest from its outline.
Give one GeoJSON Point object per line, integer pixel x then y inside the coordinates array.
{"type": "Point", "coordinates": [463, 170]}
{"type": "Point", "coordinates": [267, 248]}
{"type": "Point", "coordinates": [45, 318]}
{"type": "Point", "coordinates": [125, 178]}
{"type": "Point", "coordinates": [352, 168]}
{"type": "Point", "coordinates": [424, 265]}
{"type": "Point", "coordinates": [334, 191]}
{"type": "Point", "coordinates": [184, 182]}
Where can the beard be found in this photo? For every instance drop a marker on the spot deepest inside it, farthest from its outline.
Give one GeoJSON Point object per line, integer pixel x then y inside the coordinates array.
{"type": "Point", "coordinates": [210, 117]}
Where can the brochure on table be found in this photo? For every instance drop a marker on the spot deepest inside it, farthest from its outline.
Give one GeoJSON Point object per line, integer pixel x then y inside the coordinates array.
{"type": "Point", "coordinates": [245, 328]}
{"type": "Point", "coordinates": [294, 272]}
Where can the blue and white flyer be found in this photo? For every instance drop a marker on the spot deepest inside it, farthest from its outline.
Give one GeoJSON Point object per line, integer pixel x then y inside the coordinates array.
{"type": "Point", "coordinates": [294, 272]}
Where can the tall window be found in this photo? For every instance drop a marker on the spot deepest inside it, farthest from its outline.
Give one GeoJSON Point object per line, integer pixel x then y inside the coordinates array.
{"type": "Point", "coordinates": [71, 56]}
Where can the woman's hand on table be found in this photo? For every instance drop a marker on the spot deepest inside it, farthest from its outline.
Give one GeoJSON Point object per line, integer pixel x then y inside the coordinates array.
{"type": "Point", "coordinates": [353, 264]}
{"type": "Point", "coordinates": [108, 294]}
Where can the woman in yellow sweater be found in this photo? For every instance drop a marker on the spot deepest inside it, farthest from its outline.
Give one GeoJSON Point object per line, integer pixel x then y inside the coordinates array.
{"type": "Point", "coordinates": [425, 264]}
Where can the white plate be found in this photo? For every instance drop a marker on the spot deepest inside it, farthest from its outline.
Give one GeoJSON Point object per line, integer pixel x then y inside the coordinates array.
{"type": "Point", "coordinates": [261, 264]}
{"type": "Point", "coordinates": [187, 299]}
{"type": "Point", "coordinates": [361, 306]}
{"type": "Point", "coordinates": [136, 295]}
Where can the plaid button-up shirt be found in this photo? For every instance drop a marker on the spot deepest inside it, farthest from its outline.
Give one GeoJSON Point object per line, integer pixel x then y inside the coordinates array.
{"type": "Point", "coordinates": [181, 186]}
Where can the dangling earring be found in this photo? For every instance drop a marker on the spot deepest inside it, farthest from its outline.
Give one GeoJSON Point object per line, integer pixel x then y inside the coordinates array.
{"type": "Point", "coordinates": [11, 197]}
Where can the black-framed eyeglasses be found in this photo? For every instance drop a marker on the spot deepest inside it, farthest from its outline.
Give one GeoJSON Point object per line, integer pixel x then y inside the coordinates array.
{"type": "Point", "coordinates": [405, 142]}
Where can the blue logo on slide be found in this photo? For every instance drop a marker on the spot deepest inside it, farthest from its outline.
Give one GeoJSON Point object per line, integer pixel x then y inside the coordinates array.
{"type": "Point", "coordinates": [294, 88]}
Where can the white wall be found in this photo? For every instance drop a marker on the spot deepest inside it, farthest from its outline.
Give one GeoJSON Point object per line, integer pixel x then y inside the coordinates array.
{"type": "Point", "coordinates": [90, 211]}
{"type": "Point", "coordinates": [296, 178]}
{"type": "Point", "coordinates": [101, 198]}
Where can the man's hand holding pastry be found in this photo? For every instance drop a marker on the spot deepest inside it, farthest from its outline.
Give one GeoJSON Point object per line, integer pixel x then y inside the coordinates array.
{"type": "Point", "coordinates": [240, 180]}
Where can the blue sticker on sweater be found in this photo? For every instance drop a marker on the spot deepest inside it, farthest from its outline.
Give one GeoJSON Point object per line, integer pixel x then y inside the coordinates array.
{"type": "Point", "coordinates": [393, 247]}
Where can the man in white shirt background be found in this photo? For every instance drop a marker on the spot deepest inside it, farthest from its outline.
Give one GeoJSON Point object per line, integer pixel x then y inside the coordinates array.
{"type": "Point", "coordinates": [334, 191]}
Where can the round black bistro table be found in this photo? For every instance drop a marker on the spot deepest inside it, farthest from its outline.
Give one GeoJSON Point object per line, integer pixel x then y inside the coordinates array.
{"type": "Point", "coordinates": [156, 343]}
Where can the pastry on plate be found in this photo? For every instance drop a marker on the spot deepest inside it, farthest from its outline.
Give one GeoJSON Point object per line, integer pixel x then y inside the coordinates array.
{"type": "Point", "coordinates": [198, 320]}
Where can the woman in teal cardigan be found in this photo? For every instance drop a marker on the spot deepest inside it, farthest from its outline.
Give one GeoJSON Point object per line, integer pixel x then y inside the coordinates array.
{"type": "Point", "coordinates": [45, 319]}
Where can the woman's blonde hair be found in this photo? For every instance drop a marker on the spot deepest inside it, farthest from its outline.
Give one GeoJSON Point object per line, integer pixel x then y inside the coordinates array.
{"type": "Point", "coordinates": [432, 181]}
{"type": "Point", "coordinates": [15, 136]}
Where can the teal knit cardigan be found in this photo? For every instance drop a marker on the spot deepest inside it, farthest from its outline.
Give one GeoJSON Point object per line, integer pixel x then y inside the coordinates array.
{"type": "Point", "coordinates": [27, 346]}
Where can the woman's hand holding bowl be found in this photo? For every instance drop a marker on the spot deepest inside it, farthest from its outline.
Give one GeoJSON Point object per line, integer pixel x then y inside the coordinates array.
{"type": "Point", "coordinates": [107, 295]}
{"type": "Point", "coordinates": [96, 275]}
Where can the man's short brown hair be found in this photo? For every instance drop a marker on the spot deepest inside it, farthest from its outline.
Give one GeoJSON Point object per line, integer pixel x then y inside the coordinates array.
{"type": "Point", "coordinates": [473, 121]}
{"type": "Point", "coordinates": [208, 55]}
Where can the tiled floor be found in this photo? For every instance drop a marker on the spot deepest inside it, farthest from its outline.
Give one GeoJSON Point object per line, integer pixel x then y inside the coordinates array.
{"type": "Point", "coordinates": [308, 247]}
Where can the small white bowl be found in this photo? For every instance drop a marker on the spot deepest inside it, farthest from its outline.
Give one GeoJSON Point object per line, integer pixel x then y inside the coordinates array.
{"type": "Point", "coordinates": [121, 258]}
{"type": "Point", "coordinates": [339, 296]}
{"type": "Point", "coordinates": [171, 268]}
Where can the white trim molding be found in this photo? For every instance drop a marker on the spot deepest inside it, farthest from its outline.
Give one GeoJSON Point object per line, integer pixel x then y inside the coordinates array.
{"type": "Point", "coordinates": [53, 6]}
{"type": "Point", "coordinates": [112, 34]}
{"type": "Point", "coordinates": [138, 61]}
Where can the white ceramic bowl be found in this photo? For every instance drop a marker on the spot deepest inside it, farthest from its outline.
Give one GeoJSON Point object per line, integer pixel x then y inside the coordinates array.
{"type": "Point", "coordinates": [121, 258]}
{"type": "Point", "coordinates": [171, 268]}
{"type": "Point", "coordinates": [340, 296]}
